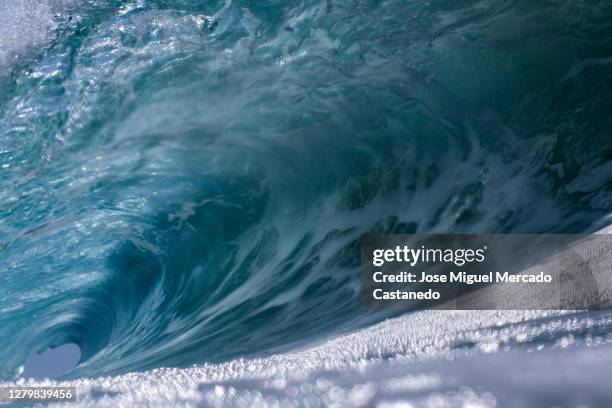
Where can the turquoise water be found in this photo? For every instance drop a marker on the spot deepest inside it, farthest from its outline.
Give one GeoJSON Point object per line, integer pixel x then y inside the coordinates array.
{"type": "Point", "coordinates": [185, 182]}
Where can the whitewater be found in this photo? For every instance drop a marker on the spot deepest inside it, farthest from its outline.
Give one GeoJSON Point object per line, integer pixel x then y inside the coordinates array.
{"type": "Point", "coordinates": [183, 187]}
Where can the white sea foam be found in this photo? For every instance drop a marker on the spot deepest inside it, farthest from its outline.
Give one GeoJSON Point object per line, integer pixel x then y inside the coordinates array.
{"type": "Point", "coordinates": [426, 359]}
{"type": "Point", "coordinates": [26, 26]}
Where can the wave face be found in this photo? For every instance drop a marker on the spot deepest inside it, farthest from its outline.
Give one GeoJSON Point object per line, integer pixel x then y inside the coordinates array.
{"type": "Point", "coordinates": [185, 182]}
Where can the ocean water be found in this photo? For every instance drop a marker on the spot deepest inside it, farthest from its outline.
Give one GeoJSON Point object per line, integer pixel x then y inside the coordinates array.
{"type": "Point", "coordinates": [183, 185]}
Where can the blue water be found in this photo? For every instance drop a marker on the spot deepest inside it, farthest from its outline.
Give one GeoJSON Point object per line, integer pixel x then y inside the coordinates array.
{"type": "Point", "coordinates": [187, 181]}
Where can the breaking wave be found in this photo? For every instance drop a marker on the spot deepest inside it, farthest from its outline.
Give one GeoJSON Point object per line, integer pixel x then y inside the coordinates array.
{"type": "Point", "coordinates": [186, 182]}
